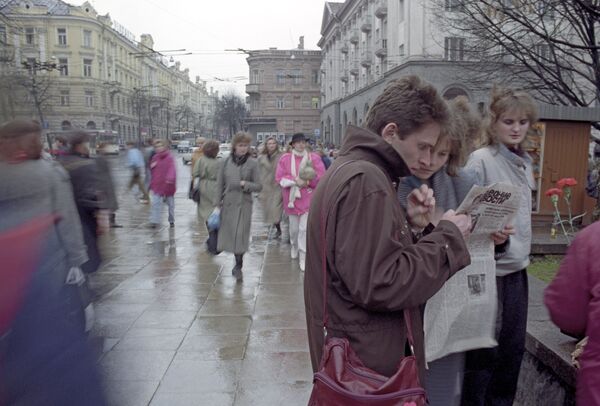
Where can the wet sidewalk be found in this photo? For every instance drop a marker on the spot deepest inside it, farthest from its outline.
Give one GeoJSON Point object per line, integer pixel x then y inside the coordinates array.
{"type": "Point", "coordinates": [174, 327]}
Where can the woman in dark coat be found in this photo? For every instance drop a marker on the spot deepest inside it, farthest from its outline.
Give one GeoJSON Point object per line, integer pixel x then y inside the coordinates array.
{"type": "Point", "coordinates": [88, 194]}
{"type": "Point", "coordinates": [238, 179]}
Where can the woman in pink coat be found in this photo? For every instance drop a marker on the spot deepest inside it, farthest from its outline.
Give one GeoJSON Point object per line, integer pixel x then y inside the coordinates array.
{"type": "Point", "coordinates": [162, 183]}
{"type": "Point", "coordinates": [298, 173]}
{"type": "Point", "coordinates": [573, 299]}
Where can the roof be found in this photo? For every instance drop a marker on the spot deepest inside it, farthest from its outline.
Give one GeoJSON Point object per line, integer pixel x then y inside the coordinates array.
{"type": "Point", "coordinates": [55, 7]}
{"type": "Point", "coordinates": [330, 13]}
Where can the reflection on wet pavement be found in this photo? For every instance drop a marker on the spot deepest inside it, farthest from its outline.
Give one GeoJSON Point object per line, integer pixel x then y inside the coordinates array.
{"type": "Point", "coordinates": [175, 328]}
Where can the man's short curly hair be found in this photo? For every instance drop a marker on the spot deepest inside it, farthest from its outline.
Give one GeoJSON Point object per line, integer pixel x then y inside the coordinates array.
{"type": "Point", "coordinates": [410, 103]}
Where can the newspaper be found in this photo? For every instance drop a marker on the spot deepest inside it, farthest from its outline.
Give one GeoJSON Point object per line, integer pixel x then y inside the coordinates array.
{"type": "Point", "coordinates": [462, 315]}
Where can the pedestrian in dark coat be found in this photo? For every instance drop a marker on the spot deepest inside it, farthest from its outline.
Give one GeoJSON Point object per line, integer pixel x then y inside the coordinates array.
{"type": "Point", "coordinates": [573, 300]}
{"type": "Point", "coordinates": [88, 193]}
{"type": "Point", "coordinates": [237, 180]}
{"type": "Point", "coordinates": [107, 184]}
{"type": "Point", "coordinates": [375, 271]}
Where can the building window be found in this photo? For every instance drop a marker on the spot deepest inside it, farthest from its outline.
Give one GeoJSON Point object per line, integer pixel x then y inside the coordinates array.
{"type": "Point", "coordinates": [255, 78]}
{"type": "Point", "coordinates": [87, 68]}
{"type": "Point", "coordinates": [29, 36]}
{"type": "Point", "coordinates": [64, 98]}
{"type": "Point", "coordinates": [280, 77]}
{"type": "Point", "coordinates": [87, 38]}
{"type": "Point", "coordinates": [2, 34]}
{"type": "Point", "coordinates": [315, 102]}
{"type": "Point", "coordinates": [63, 66]}
{"type": "Point", "coordinates": [453, 5]}
{"type": "Point", "coordinates": [315, 77]}
{"type": "Point", "coordinates": [543, 51]}
{"type": "Point", "coordinates": [401, 50]}
{"type": "Point", "coordinates": [454, 48]}
{"type": "Point", "coordinates": [400, 11]}
{"type": "Point", "coordinates": [89, 98]}
{"type": "Point", "coordinates": [280, 102]}
{"type": "Point", "coordinates": [296, 76]}
{"type": "Point", "coordinates": [62, 36]}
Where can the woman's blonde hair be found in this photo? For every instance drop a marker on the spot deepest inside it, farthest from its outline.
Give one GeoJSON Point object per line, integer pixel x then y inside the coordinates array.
{"type": "Point", "coordinates": [504, 100]}
{"type": "Point", "coordinates": [463, 131]}
{"type": "Point", "coordinates": [265, 150]}
{"type": "Point", "coordinates": [241, 138]}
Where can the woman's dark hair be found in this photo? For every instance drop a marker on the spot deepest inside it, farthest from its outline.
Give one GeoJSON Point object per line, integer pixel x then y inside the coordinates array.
{"type": "Point", "coordinates": [211, 148]}
{"type": "Point", "coordinates": [77, 138]}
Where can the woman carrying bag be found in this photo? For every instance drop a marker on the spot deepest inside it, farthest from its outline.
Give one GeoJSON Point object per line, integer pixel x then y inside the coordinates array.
{"type": "Point", "coordinates": [237, 180]}
{"type": "Point", "coordinates": [206, 171]}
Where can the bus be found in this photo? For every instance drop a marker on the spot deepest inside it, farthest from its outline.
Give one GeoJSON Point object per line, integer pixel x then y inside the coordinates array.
{"type": "Point", "coordinates": [178, 136]}
{"type": "Point", "coordinates": [110, 138]}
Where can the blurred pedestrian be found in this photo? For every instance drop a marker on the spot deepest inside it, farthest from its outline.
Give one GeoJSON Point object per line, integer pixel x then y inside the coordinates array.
{"type": "Point", "coordinates": [88, 193]}
{"type": "Point", "coordinates": [491, 374]}
{"type": "Point", "coordinates": [31, 188]}
{"type": "Point", "coordinates": [360, 235]}
{"type": "Point", "coordinates": [238, 179]}
{"type": "Point", "coordinates": [573, 300]}
{"type": "Point", "coordinates": [61, 145]}
{"type": "Point", "coordinates": [206, 172]}
{"type": "Point", "coordinates": [107, 184]}
{"type": "Point", "coordinates": [298, 174]}
{"type": "Point", "coordinates": [163, 183]}
{"type": "Point", "coordinates": [135, 162]}
{"type": "Point", "coordinates": [270, 196]}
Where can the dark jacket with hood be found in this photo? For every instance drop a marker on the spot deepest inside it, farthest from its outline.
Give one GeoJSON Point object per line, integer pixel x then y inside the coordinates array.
{"type": "Point", "coordinates": [374, 269]}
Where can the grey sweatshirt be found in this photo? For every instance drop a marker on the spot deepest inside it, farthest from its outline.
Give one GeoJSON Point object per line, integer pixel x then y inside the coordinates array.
{"type": "Point", "coordinates": [494, 164]}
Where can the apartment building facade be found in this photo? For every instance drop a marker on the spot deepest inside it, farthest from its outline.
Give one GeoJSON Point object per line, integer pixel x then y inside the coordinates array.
{"type": "Point", "coordinates": [366, 43]}
{"type": "Point", "coordinates": [87, 71]}
{"type": "Point", "coordinates": [284, 93]}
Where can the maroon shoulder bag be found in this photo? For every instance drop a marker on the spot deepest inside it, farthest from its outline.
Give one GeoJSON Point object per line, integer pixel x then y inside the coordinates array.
{"type": "Point", "coordinates": [343, 379]}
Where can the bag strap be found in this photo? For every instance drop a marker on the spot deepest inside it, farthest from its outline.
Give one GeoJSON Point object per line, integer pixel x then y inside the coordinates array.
{"type": "Point", "coordinates": [325, 209]}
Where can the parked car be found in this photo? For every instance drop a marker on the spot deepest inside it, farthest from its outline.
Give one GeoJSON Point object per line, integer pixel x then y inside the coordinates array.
{"type": "Point", "coordinates": [187, 156]}
{"type": "Point", "coordinates": [184, 146]}
{"type": "Point", "coordinates": [224, 151]}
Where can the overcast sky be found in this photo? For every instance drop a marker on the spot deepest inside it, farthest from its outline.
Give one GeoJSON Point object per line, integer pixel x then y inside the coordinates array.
{"type": "Point", "coordinates": [210, 27]}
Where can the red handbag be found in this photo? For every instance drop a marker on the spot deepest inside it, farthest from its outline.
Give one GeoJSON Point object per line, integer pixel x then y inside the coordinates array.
{"type": "Point", "coordinates": [344, 380]}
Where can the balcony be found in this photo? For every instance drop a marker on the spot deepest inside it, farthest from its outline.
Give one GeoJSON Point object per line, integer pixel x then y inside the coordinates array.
{"type": "Point", "coordinates": [366, 58]}
{"type": "Point", "coordinates": [354, 38]}
{"type": "Point", "coordinates": [381, 48]}
{"type": "Point", "coordinates": [381, 12]}
{"type": "Point", "coordinates": [344, 49]}
{"type": "Point", "coordinates": [252, 88]}
{"type": "Point", "coordinates": [354, 71]}
{"type": "Point", "coordinates": [344, 77]}
{"type": "Point", "coordinates": [366, 27]}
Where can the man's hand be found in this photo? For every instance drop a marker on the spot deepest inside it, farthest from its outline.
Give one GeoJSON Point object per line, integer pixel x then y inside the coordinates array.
{"type": "Point", "coordinates": [242, 183]}
{"type": "Point", "coordinates": [420, 207]}
{"type": "Point", "coordinates": [500, 237]}
{"type": "Point", "coordinates": [462, 221]}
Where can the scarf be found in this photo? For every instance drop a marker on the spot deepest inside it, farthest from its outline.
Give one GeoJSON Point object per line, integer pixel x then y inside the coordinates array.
{"type": "Point", "coordinates": [239, 160]}
{"type": "Point", "coordinates": [295, 190]}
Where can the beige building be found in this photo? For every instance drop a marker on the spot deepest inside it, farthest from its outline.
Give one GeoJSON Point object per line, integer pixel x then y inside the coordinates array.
{"type": "Point", "coordinates": [284, 93]}
{"type": "Point", "coordinates": [74, 68]}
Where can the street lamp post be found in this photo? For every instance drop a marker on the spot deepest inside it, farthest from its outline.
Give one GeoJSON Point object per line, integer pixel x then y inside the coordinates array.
{"type": "Point", "coordinates": [33, 67]}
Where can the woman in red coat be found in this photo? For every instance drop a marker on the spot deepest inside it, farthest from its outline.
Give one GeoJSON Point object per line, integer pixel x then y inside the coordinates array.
{"type": "Point", "coordinates": [573, 299]}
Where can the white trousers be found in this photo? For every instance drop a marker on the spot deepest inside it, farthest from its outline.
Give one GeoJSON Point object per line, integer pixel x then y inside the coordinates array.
{"type": "Point", "coordinates": [298, 232]}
